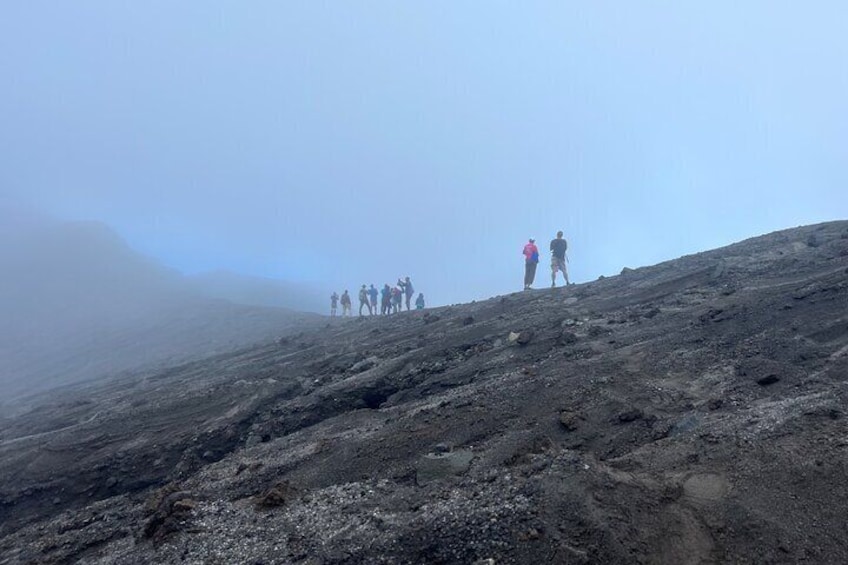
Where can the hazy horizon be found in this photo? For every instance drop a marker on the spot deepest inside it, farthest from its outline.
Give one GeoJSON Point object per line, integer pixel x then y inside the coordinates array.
{"type": "Point", "coordinates": [337, 145]}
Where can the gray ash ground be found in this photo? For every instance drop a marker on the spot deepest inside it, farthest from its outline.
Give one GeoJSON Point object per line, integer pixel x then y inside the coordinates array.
{"type": "Point", "coordinates": [689, 412]}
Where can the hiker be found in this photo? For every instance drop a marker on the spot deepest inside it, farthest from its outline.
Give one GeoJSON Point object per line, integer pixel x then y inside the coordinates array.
{"type": "Point", "coordinates": [419, 302]}
{"type": "Point", "coordinates": [397, 298]}
{"type": "Point", "coordinates": [334, 304]}
{"type": "Point", "coordinates": [363, 301]}
{"type": "Point", "coordinates": [386, 294]}
{"type": "Point", "coordinates": [345, 304]}
{"type": "Point", "coordinates": [558, 258]}
{"type": "Point", "coordinates": [372, 293]}
{"type": "Point", "coordinates": [406, 287]}
{"type": "Point", "coordinates": [531, 259]}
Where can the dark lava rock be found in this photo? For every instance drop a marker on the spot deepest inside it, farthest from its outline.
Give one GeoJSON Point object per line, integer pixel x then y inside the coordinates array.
{"type": "Point", "coordinates": [168, 510]}
{"type": "Point", "coordinates": [569, 420]}
{"type": "Point", "coordinates": [278, 495]}
{"type": "Point", "coordinates": [715, 403]}
{"type": "Point", "coordinates": [468, 320]}
{"type": "Point", "coordinates": [430, 318]}
{"type": "Point", "coordinates": [630, 415]}
{"type": "Point", "coordinates": [597, 331]}
{"type": "Point", "coordinates": [525, 337]}
{"type": "Point", "coordinates": [768, 380]}
{"type": "Point", "coordinates": [566, 338]}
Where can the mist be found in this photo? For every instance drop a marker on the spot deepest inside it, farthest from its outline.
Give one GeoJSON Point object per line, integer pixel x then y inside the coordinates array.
{"type": "Point", "coordinates": [332, 145]}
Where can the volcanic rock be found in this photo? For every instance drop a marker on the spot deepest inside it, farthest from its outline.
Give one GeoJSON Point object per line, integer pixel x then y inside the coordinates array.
{"type": "Point", "coordinates": [655, 447]}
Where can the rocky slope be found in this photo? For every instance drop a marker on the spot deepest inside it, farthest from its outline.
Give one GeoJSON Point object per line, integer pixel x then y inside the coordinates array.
{"type": "Point", "coordinates": [689, 412]}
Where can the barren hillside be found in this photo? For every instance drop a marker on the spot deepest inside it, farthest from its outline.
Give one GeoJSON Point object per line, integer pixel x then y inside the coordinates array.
{"type": "Point", "coordinates": [688, 412]}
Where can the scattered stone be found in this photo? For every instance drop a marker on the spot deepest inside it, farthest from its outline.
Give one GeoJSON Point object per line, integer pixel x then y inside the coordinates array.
{"type": "Point", "coordinates": [715, 403]}
{"type": "Point", "coordinates": [513, 337]}
{"type": "Point", "coordinates": [652, 312]}
{"type": "Point", "coordinates": [168, 510]}
{"type": "Point", "coordinates": [566, 338]}
{"type": "Point", "coordinates": [468, 320]}
{"type": "Point", "coordinates": [442, 448]}
{"type": "Point", "coordinates": [660, 430]}
{"type": "Point", "coordinates": [768, 380]}
{"type": "Point", "coordinates": [813, 241]}
{"type": "Point", "coordinates": [525, 337]}
{"type": "Point", "coordinates": [276, 496]}
{"type": "Point", "coordinates": [530, 535]}
{"type": "Point", "coordinates": [597, 331]}
{"type": "Point", "coordinates": [430, 318]}
{"type": "Point", "coordinates": [630, 415]}
{"type": "Point", "coordinates": [569, 420]}
{"type": "Point", "coordinates": [283, 341]}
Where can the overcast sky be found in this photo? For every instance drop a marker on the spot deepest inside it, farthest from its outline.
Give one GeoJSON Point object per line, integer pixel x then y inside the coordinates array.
{"type": "Point", "coordinates": [349, 142]}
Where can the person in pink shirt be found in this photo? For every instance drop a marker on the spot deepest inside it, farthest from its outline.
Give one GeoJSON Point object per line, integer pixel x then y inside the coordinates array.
{"type": "Point", "coordinates": [531, 259]}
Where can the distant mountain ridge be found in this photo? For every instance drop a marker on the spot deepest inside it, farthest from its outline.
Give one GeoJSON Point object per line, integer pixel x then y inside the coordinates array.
{"type": "Point", "coordinates": [260, 291]}
{"type": "Point", "coordinates": [79, 303]}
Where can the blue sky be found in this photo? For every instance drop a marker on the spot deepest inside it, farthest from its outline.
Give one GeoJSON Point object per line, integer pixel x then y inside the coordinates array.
{"type": "Point", "coordinates": [354, 142]}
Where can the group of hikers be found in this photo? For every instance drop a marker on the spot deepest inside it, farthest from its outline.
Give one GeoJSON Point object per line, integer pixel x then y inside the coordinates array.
{"type": "Point", "coordinates": [391, 299]}
{"type": "Point", "coordinates": [559, 246]}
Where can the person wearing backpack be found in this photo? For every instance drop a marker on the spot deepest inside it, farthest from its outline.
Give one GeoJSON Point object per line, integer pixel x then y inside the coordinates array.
{"type": "Point", "coordinates": [531, 260]}
{"type": "Point", "coordinates": [345, 304]}
{"type": "Point", "coordinates": [363, 301]}
{"type": "Point", "coordinates": [558, 262]}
